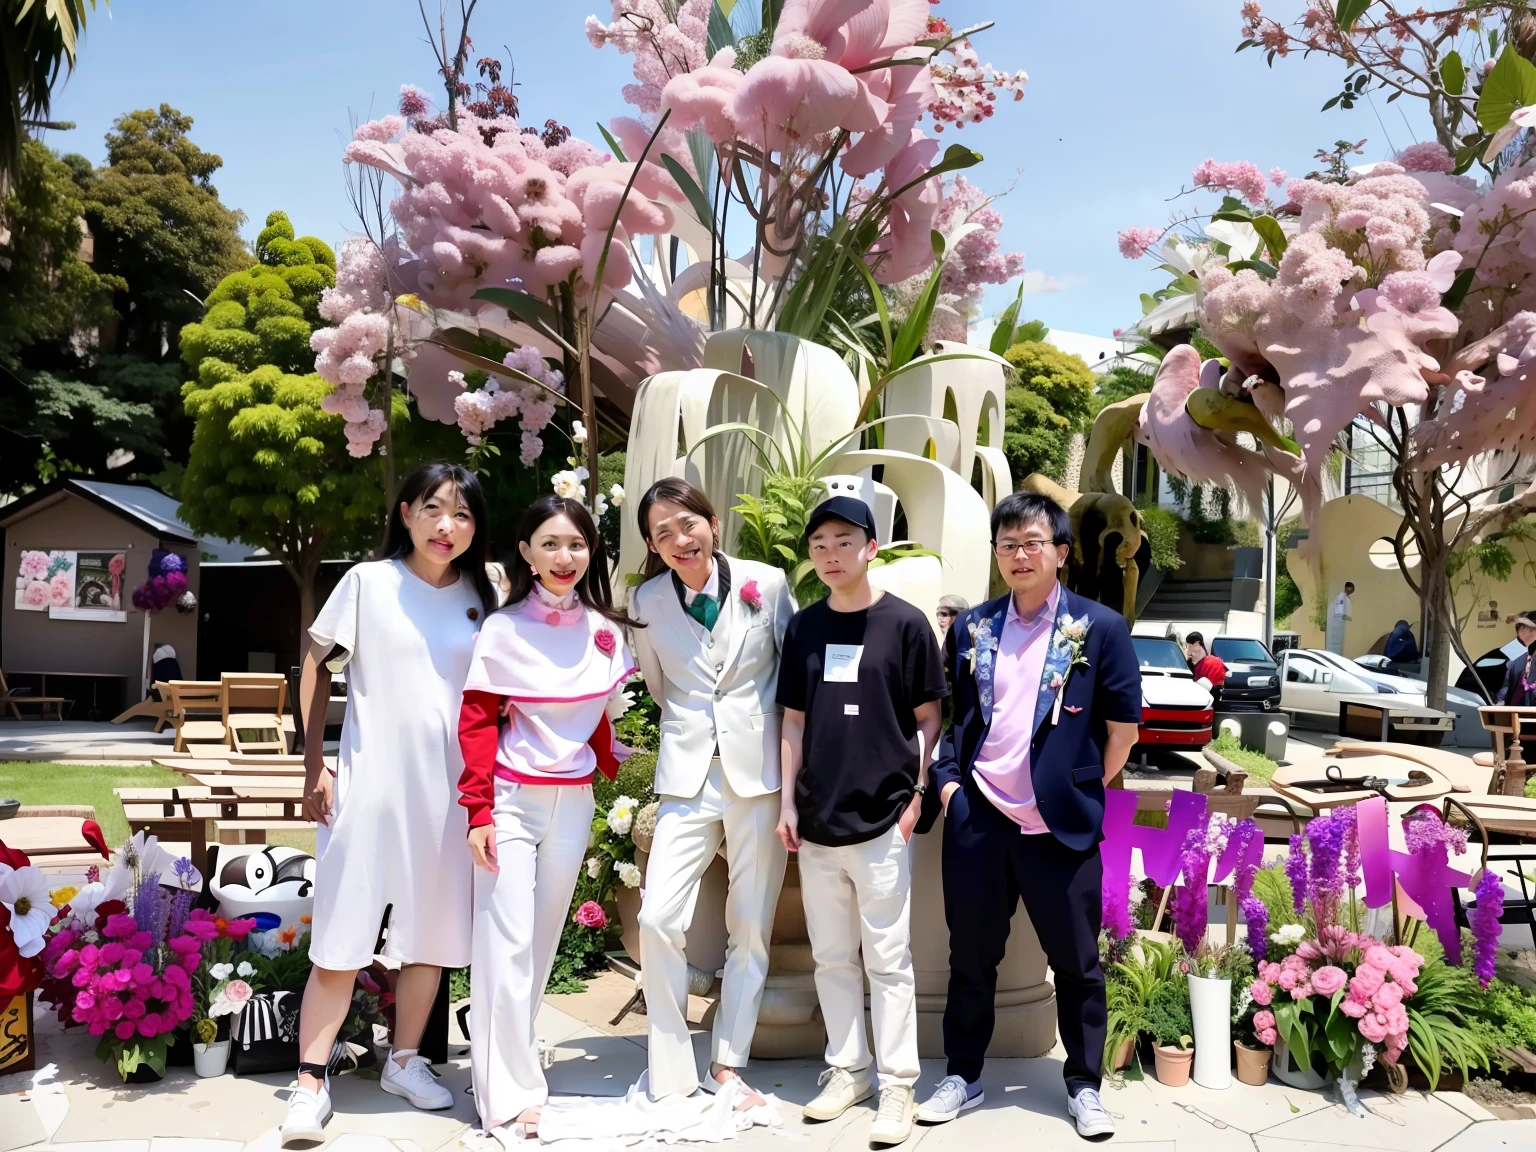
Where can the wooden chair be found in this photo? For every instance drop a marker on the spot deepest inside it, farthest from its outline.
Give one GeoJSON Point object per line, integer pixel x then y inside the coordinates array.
{"type": "Point", "coordinates": [253, 711]}
{"type": "Point", "coordinates": [156, 706]}
{"type": "Point", "coordinates": [9, 702]}
{"type": "Point", "coordinates": [197, 710]}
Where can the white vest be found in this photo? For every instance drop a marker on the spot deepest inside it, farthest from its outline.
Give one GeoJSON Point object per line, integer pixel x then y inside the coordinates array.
{"type": "Point", "coordinates": [716, 689]}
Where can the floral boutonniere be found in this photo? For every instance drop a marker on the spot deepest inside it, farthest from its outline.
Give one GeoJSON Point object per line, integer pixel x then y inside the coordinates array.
{"type": "Point", "coordinates": [1071, 639]}
{"type": "Point", "coordinates": [752, 596]}
{"type": "Point", "coordinates": [982, 641]}
{"type": "Point", "coordinates": [605, 641]}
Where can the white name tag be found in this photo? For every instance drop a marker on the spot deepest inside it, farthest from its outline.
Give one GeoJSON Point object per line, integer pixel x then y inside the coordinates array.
{"type": "Point", "coordinates": [841, 664]}
{"type": "Point", "coordinates": [850, 709]}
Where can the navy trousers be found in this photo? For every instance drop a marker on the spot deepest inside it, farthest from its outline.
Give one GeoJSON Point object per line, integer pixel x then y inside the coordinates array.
{"type": "Point", "coordinates": [988, 865]}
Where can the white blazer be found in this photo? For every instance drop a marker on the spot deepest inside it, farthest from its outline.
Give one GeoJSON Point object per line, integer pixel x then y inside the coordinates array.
{"type": "Point", "coordinates": [715, 689]}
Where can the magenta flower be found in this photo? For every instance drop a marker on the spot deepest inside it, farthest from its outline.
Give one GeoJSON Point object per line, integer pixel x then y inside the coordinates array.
{"type": "Point", "coordinates": [591, 915]}
{"type": "Point", "coordinates": [1261, 992]}
{"type": "Point", "coordinates": [1484, 920]}
{"type": "Point", "coordinates": [605, 641]}
{"type": "Point", "coordinates": [752, 596]}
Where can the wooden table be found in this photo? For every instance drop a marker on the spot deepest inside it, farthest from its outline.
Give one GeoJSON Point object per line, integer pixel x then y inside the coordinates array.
{"type": "Point", "coordinates": [46, 839]}
{"type": "Point", "coordinates": [254, 767]}
{"type": "Point", "coordinates": [1361, 719]}
{"type": "Point", "coordinates": [1287, 781]}
{"type": "Point", "coordinates": [265, 786]}
{"type": "Point", "coordinates": [1501, 720]}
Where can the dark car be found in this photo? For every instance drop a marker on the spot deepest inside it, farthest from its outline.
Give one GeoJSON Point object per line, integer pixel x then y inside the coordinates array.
{"type": "Point", "coordinates": [1489, 668]}
{"type": "Point", "coordinates": [1253, 677]}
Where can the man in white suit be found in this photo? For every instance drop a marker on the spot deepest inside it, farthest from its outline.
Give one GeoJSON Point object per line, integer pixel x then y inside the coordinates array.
{"type": "Point", "coordinates": [710, 658]}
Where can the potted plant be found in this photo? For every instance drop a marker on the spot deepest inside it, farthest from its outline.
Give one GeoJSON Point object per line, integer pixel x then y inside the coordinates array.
{"type": "Point", "coordinates": [1134, 969]}
{"type": "Point", "coordinates": [1169, 1022]}
{"type": "Point", "coordinates": [1214, 971]}
{"type": "Point", "coordinates": [1253, 1045]}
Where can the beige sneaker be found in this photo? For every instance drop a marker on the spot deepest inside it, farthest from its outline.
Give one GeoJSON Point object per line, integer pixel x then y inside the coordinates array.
{"type": "Point", "coordinates": [840, 1091]}
{"type": "Point", "coordinates": [893, 1123]}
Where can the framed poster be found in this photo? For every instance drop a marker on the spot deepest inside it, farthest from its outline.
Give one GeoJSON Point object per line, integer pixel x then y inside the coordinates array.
{"type": "Point", "coordinates": [98, 588]}
{"type": "Point", "coordinates": [45, 580]}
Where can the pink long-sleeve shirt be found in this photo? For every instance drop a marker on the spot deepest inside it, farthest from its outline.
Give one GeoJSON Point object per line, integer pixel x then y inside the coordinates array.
{"type": "Point", "coordinates": [1002, 765]}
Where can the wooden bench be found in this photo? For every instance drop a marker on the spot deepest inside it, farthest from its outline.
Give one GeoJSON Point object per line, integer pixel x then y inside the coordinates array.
{"type": "Point", "coordinates": [197, 710]}
{"type": "Point", "coordinates": [9, 701]}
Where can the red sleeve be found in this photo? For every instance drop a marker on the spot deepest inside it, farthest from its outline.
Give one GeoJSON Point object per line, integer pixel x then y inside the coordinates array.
{"type": "Point", "coordinates": [479, 731]}
{"type": "Point", "coordinates": [610, 753]}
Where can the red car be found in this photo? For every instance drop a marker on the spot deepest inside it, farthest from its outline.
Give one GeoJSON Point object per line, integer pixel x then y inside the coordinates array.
{"type": "Point", "coordinates": [1175, 711]}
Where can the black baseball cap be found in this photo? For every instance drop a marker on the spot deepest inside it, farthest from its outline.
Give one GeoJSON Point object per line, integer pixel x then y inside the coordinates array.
{"type": "Point", "coordinates": [848, 508]}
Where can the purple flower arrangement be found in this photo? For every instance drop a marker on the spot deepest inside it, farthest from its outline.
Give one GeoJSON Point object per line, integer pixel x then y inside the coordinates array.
{"type": "Point", "coordinates": [1484, 920]}
{"type": "Point", "coordinates": [167, 582]}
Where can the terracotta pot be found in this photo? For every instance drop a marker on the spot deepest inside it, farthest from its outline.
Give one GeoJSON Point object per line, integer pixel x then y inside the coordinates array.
{"type": "Point", "coordinates": [1124, 1054]}
{"type": "Point", "coordinates": [1173, 1065]}
{"type": "Point", "coordinates": [1252, 1063]}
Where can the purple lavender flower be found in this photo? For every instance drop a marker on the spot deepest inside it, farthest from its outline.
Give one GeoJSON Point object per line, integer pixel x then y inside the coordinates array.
{"type": "Point", "coordinates": [1190, 904]}
{"type": "Point", "coordinates": [150, 908]}
{"type": "Point", "coordinates": [181, 906]}
{"type": "Point", "coordinates": [1115, 911]}
{"type": "Point", "coordinates": [1296, 866]}
{"type": "Point", "coordinates": [1257, 916]}
{"type": "Point", "coordinates": [1242, 879]}
{"type": "Point", "coordinates": [1484, 920]}
{"type": "Point", "coordinates": [1325, 839]}
{"type": "Point", "coordinates": [1425, 832]}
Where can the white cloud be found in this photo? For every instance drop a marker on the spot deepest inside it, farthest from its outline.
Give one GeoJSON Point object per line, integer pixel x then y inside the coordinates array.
{"type": "Point", "coordinates": [1036, 282]}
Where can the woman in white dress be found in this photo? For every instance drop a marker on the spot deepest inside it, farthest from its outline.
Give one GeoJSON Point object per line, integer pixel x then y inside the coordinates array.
{"type": "Point", "coordinates": [390, 834]}
{"type": "Point", "coordinates": [544, 686]}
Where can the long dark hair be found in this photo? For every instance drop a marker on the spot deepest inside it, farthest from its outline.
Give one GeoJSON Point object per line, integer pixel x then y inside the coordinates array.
{"type": "Point", "coordinates": [674, 490]}
{"type": "Point", "coordinates": [421, 483]}
{"type": "Point", "coordinates": [593, 587]}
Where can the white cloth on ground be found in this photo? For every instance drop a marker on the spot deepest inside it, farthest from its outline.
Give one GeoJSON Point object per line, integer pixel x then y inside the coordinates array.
{"type": "Point", "coordinates": [859, 896]}
{"type": "Point", "coordinates": [396, 836]}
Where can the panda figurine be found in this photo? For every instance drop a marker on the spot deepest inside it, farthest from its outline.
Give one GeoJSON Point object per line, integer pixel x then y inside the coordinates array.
{"type": "Point", "coordinates": [274, 884]}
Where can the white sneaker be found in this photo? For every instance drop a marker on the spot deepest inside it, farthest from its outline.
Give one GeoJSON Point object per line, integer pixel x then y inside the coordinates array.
{"type": "Point", "coordinates": [307, 1113]}
{"type": "Point", "coordinates": [893, 1120]}
{"type": "Point", "coordinates": [952, 1097]}
{"type": "Point", "coordinates": [840, 1091]}
{"type": "Point", "coordinates": [416, 1083]}
{"type": "Point", "coordinates": [1088, 1110]}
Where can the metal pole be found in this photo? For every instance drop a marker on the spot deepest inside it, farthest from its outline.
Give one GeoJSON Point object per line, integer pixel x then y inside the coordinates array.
{"type": "Point", "coordinates": [1270, 544]}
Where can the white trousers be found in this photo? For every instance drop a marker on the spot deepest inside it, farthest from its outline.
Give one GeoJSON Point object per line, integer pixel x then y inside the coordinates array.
{"type": "Point", "coordinates": [520, 911]}
{"type": "Point", "coordinates": [860, 895]}
{"type": "Point", "coordinates": [688, 834]}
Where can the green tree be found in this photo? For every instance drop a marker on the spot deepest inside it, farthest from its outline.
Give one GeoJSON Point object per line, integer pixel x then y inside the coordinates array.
{"type": "Point", "coordinates": [268, 465]}
{"type": "Point", "coordinates": [1049, 402]}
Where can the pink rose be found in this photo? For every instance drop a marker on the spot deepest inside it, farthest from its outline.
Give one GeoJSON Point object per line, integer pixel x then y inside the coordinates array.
{"type": "Point", "coordinates": [591, 915]}
{"type": "Point", "coordinates": [1287, 979]}
{"type": "Point", "coordinates": [605, 641]}
{"type": "Point", "coordinates": [1397, 1021]}
{"type": "Point", "coordinates": [1353, 1008]}
{"type": "Point", "coordinates": [1363, 985]}
{"type": "Point", "coordinates": [1328, 979]}
{"type": "Point", "coordinates": [237, 992]}
{"type": "Point", "coordinates": [1373, 1026]}
{"type": "Point", "coordinates": [1261, 993]}
{"type": "Point", "coordinates": [1264, 1019]}
{"type": "Point", "coordinates": [59, 591]}
{"type": "Point", "coordinates": [1387, 997]}
{"type": "Point", "coordinates": [1302, 990]}
{"type": "Point", "coordinates": [1377, 956]}
{"type": "Point", "coordinates": [37, 594]}
{"type": "Point", "coordinates": [751, 595]}
{"type": "Point", "coordinates": [1267, 1036]}
{"type": "Point", "coordinates": [1268, 971]}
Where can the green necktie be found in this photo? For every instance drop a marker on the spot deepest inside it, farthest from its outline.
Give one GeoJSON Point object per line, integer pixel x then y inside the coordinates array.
{"type": "Point", "coordinates": [706, 610]}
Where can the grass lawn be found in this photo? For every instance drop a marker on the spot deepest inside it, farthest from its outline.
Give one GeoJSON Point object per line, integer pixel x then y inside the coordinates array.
{"type": "Point", "coordinates": [1258, 766]}
{"type": "Point", "coordinates": [48, 782]}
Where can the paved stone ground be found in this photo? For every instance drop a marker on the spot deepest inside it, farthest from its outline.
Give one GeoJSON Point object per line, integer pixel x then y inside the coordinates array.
{"type": "Point", "coordinates": [75, 1104]}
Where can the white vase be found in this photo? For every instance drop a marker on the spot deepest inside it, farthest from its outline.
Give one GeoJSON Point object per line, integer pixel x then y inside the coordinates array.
{"type": "Point", "coordinates": [1210, 1006]}
{"type": "Point", "coordinates": [210, 1059]}
{"type": "Point", "coordinates": [1288, 1071]}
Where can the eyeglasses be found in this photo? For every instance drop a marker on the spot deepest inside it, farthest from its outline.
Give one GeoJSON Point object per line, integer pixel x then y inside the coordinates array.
{"type": "Point", "coordinates": [1008, 549]}
{"type": "Point", "coordinates": [945, 612]}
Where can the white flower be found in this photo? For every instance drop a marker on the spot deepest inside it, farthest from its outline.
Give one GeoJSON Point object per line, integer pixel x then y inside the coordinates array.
{"type": "Point", "coordinates": [602, 504]}
{"type": "Point", "coordinates": [1519, 118]}
{"type": "Point", "coordinates": [619, 703]}
{"type": "Point", "coordinates": [629, 874]}
{"type": "Point", "coordinates": [221, 971]}
{"type": "Point", "coordinates": [594, 866]}
{"type": "Point", "coordinates": [622, 815]}
{"type": "Point", "coordinates": [616, 495]}
{"type": "Point", "coordinates": [1075, 629]}
{"type": "Point", "coordinates": [1289, 934]}
{"type": "Point", "coordinates": [24, 891]}
{"type": "Point", "coordinates": [82, 906]}
{"type": "Point", "coordinates": [1242, 240]}
{"type": "Point", "coordinates": [568, 484]}
{"type": "Point", "coordinates": [1136, 897]}
{"type": "Point", "coordinates": [245, 970]}
{"type": "Point", "coordinates": [578, 432]}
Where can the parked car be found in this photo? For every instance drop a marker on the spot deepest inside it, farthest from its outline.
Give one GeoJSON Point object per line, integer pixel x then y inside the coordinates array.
{"type": "Point", "coordinates": [1175, 711]}
{"type": "Point", "coordinates": [1314, 683]}
{"type": "Point", "coordinates": [1253, 677]}
{"type": "Point", "coordinates": [1490, 668]}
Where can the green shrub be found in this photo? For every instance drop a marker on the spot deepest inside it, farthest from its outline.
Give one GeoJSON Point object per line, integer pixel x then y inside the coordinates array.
{"type": "Point", "coordinates": [1162, 529]}
{"type": "Point", "coordinates": [1273, 887]}
{"type": "Point", "coordinates": [640, 727]}
{"type": "Point", "coordinates": [1168, 1017]}
{"type": "Point", "coordinates": [1258, 766]}
{"type": "Point", "coordinates": [637, 778]}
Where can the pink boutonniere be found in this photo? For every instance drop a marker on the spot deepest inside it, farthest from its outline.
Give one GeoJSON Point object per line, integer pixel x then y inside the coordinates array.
{"type": "Point", "coordinates": [605, 641]}
{"type": "Point", "coordinates": [752, 596]}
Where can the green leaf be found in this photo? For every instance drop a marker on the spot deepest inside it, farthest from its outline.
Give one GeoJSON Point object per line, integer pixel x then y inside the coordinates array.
{"type": "Point", "coordinates": [720, 32]}
{"type": "Point", "coordinates": [956, 157]}
{"type": "Point", "coordinates": [1274, 237]}
{"type": "Point", "coordinates": [1263, 268]}
{"type": "Point", "coordinates": [1511, 85]}
{"type": "Point", "coordinates": [613, 145]}
{"type": "Point", "coordinates": [1457, 292]}
{"type": "Point", "coordinates": [1002, 335]}
{"type": "Point", "coordinates": [523, 306]}
{"type": "Point", "coordinates": [696, 198]}
{"type": "Point", "coordinates": [1348, 11]}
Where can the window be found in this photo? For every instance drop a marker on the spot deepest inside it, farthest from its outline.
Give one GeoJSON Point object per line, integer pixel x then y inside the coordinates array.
{"type": "Point", "coordinates": [1247, 651]}
{"type": "Point", "coordinates": [1368, 465]}
{"type": "Point", "coordinates": [1158, 655]}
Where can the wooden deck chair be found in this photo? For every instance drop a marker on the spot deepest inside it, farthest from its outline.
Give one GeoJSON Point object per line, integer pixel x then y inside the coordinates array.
{"type": "Point", "coordinates": [253, 711]}
{"type": "Point", "coordinates": [156, 706]}
{"type": "Point", "coordinates": [10, 700]}
{"type": "Point", "coordinates": [197, 710]}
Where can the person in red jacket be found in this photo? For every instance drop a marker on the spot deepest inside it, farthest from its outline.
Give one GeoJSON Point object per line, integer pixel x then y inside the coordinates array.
{"type": "Point", "coordinates": [1204, 665]}
{"type": "Point", "coordinates": [544, 686]}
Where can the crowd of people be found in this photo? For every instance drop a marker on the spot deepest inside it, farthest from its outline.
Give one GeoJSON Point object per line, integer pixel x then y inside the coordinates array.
{"type": "Point", "coordinates": [477, 718]}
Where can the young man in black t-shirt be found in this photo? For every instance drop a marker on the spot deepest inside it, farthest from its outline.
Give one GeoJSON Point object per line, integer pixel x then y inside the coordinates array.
{"type": "Point", "coordinates": [860, 678]}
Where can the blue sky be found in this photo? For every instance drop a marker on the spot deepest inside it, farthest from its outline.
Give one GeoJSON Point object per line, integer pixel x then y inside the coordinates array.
{"type": "Point", "coordinates": [1124, 99]}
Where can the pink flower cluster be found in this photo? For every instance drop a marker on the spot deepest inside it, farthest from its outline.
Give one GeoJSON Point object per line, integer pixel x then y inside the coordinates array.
{"type": "Point", "coordinates": [1137, 242]}
{"type": "Point", "coordinates": [123, 988]}
{"type": "Point", "coordinates": [478, 411]}
{"type": "Point", "coordinates": [349, 355]}
{"type": "Point", "coordinates": [966, 91]}
{"type": "Point", "coordinates": [1384, 977]}
{"type": "Point", "coordinates": [665, 40]}
{"type": "Point", "coordinates": [1242, 177]}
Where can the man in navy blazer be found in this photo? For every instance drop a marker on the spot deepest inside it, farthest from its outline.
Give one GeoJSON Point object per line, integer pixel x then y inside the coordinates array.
{"type": "Point", "coordinates": [1047, 699]}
